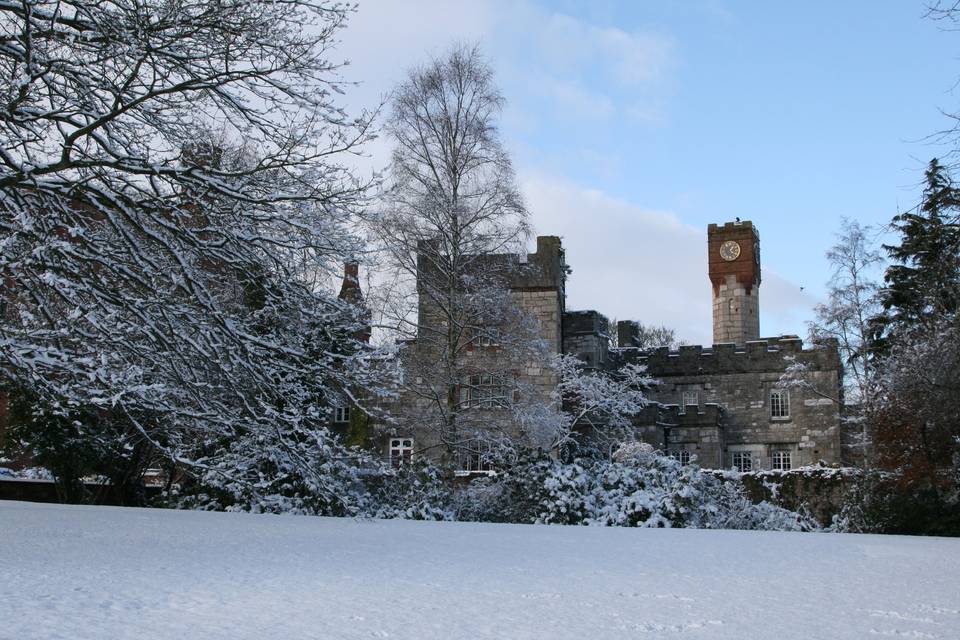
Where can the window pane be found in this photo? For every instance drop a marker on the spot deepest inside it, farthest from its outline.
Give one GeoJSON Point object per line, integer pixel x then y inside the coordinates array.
{"type": "Point", "coordinates": [781, 460]}
{"type": "Point", "coordinates": [742, 461]}
{"type": "Point", "coordinates": [779, 403]}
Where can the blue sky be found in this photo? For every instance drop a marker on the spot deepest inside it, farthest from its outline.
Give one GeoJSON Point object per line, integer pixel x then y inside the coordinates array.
{"type": "Point", "coordinates": [635, 124]}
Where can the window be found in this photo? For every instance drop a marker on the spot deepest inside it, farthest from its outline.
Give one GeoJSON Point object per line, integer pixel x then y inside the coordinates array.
{"type": "Point", "coordinates": [474, 457]}
{"type": "Point", "coordinates": [401, 452]}
{"type": "Point", "coordinates": [742, 461]}
{"type": "Point", "coordinates": [485, 338]}
{"type": "Point", "coordinates": [483, 391]}
{"type": "Point", "coordinates": [682, 456]}
{"type": "Point", "coordinates": [779, 403]}
{"type": "Point", "coordinates": [690, 398]}
{"type": "Point", "coordinates": [780, 460]}
{"type": "Point", "coordinates": [341, 414]}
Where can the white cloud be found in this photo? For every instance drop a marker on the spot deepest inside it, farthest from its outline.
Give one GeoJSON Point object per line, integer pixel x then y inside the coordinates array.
{"type": "Point", "coordinates": [384, 39]}
{"type": "Point", "coordinates": [642, 264]}
{"type": "Point", "coordinates": [647, 114]}
{"type": "Point", "coordinates": [629, 261]}
{"type": "Point", "coordinates": [577, 102]}
{"type": "Point", "coordinates": [555, 67]}
{"type": "Point", "coordinates": [582, 70]}
{"type": "Point", "coordinates": [571, 45]}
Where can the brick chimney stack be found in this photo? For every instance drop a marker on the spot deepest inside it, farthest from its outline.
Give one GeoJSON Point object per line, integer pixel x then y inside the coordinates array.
{"type": "Point", "coordinates": [350, 292]}
{"type": "Point", "coordinates": [350, 289]}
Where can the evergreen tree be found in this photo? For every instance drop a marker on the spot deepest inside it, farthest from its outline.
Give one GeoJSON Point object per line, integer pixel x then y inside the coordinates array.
{"type": "Point", "coordinates": [923, 283]}
{"type": "Point", "coordinates": [918, 397]}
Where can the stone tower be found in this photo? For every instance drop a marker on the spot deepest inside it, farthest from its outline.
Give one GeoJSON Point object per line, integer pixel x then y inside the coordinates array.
{"type": "Point", "coordinates": [734, 265]}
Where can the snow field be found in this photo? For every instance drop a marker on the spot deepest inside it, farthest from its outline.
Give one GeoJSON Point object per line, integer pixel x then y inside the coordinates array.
{"type": "Point", "coordinates": [114, 573]}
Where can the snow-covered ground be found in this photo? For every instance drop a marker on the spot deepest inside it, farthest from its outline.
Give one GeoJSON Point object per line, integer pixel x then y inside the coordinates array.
{"type": "Point", "coordinates": [109, 573]}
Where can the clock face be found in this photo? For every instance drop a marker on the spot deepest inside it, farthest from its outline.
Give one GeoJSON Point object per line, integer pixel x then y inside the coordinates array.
{"type": "Point", "coordinates": [729, 250]}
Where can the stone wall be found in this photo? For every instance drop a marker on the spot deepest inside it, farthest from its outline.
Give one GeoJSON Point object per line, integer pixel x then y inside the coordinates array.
{"type": "Point", "coordinates": [820, 491]}
{"type": "Point", "coordinates": [698, 431]}
{"type": "Point", "coordinates": [536, 287]}
{"type": "Point", "coordinates": [585, 335]}
{"type": "Point", "coordinates": [740, 382]}
{"type": "Point", "coordinates": [545, 307]}
{"type": "Point", "coordinates": [736, 312]}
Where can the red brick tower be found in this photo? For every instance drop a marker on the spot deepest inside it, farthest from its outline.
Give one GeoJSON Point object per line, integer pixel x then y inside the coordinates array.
{"type": "Point", "coordinates": [734, 265]}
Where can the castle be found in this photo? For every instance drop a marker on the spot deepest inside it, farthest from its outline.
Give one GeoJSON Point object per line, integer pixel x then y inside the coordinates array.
{"type": "Point", "coordinates": [720, 405]}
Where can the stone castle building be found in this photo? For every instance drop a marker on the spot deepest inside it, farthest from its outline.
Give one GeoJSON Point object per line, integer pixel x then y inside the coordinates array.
{"type": "Point", "coordinates": [722, 403]}
{"type": "Point", "coordinates": [495, 372]}
{"type": "Point", "coordinates": [719, 404]}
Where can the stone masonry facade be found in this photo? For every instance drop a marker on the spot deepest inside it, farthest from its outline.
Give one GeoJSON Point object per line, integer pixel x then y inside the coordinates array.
{"type": "Point", "coordinates": [492, 373]}
{"type": "Point", "coordinates": [719, 405]}
{"type": "Point", "coordinates": [724, 406]}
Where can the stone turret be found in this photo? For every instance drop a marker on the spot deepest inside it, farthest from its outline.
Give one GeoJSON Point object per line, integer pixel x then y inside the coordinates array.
{"type": "Point", "coordinates": [734, 268]}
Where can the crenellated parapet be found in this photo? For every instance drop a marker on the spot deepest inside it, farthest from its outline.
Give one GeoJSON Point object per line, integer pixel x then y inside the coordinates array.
{"type": "Point", "coordinates": [586, 336]}
{"type": "Point", "coordinates": [544, 270]}
{"type": "Point", "coordinates": [765, 355]}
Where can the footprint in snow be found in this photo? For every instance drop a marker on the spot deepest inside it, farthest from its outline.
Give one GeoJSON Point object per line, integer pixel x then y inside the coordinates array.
{"type": "Point", "coordinates": [659, 596]}
{"type": "Point", "coordinates": [927, 608]}
{"type": "Point", "coordinates": [876, 613]}
{"type": "Point", "coordinates": [540, 596]}
{"type": "Point", "coordinates": [652, 627]}
{"type": "Point", "coordinates": [896, 633]}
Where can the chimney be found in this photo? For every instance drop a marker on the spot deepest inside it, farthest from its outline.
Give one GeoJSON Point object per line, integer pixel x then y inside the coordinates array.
{"type": "Point", "coordinates": [350, 289]}
{"type": "Point", "coordinates": [350, 292]}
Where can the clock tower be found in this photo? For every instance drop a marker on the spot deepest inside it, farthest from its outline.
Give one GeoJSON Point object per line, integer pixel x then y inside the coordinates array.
{"type": "Point", "coordinates": [734, 266]}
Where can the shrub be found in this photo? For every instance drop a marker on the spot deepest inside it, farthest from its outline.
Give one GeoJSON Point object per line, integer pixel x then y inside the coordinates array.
{"type": "Point", "coordinates": [640, 489]}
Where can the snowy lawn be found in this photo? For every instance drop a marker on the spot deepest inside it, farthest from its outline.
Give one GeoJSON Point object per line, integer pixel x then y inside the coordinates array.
{"type": "Point", "coordinates": [106, 573]}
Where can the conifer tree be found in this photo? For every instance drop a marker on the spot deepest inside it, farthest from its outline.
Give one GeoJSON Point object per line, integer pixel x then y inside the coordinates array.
{"type": "Point", "coordinates": [918, 401]}
{"type": "Point", "coordinates": [923, 283]}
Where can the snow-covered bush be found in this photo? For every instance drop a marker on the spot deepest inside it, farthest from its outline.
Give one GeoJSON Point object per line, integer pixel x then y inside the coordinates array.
{"type": "Point", "coordinates": [884, 502]}
{"type": "Point", "coordinates": [638, 489]}
{"type": "Point", "coordinates": [413, 492]}
{"type": "Point", "coordinates": [313, 475]}
{"type": "Point", "coordinates": [302, 472]}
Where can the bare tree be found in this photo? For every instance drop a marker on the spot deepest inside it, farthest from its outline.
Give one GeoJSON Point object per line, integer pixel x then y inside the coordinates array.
{"type": "Point", "coordinates": [452, 226]}
{"type": "Point", "coordinates": [645, 337]}
{"type": "Point", "coordinates": [600, 406]}
{"type": "Point", "coordinates": [170, 186]}
{"type": "Point", "coordinates": [852, 300]}
{"type": "Point", "coordinates": [947, 14]}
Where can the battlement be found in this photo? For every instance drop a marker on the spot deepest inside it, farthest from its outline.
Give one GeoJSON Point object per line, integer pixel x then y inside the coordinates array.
{"type": "Point", "coordinates": [708, 415]}
{"type": "Point", "coordinates": [587, 322]}
{"type": "Point", "coordinates": [546, 269]}
{"type": "Point", "coordinates": [730, 226]}
{"type": "Point", "coordinates": [766, 354]}
{"type": "Point", "coordinates": [586, 335]}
